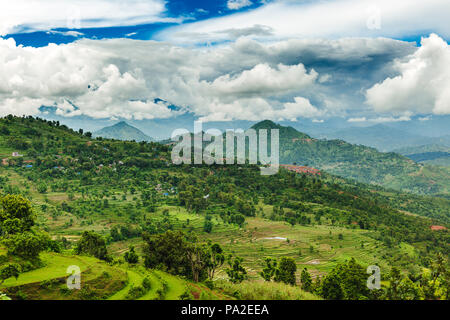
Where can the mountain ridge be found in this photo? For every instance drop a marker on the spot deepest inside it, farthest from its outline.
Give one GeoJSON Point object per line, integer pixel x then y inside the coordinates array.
{"type": "Point", "coordinates": [122, 131]}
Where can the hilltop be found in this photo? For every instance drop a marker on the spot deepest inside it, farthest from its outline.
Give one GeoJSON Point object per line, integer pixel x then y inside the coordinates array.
{"type": "Point", "coordinates": [122, 131]}
{"type": "Point", "coordinates": [358, 162]}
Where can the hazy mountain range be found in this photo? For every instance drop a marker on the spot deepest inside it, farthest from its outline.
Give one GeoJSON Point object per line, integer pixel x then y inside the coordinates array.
{"type": "Point", "coordinates": [386, 138]}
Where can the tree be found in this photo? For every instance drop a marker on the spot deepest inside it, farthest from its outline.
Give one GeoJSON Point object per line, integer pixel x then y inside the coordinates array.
{"type": "Point", "coordinates": [395, 277]}
{"type": "Point", "coordinates": [197, 255]}
{"type": "Point", "coordinates": [16, 221]}
{"type": "Point", "coordinates": [269, 270]}
{"type": "Point", "coordinates": [306, 280]}
{"type": "Point", "coordinates": [168, 249]}
{"type": "Point", "coordinates": [236, 272]}
{"type": "Point", "coordinates": [208, 225]}
{"type": "Point", "coordinates": [9, 271]}
{"type": "Point", "coordinates": [216, 259]}
{"type": "Point", "coordinates": [26, 245]}
{"type": "Point", "coordinates": [436, 281]}
{"type": "Point", "coordinates": [330, 288]}
{"type": "Point", "coordinates": [42, 187]}
{"type": "Point", "coordinates": [131, 256]}
{"type": "Point", "coordinates": [16, 215]}
{"type": "Point", "coordinates": [286, 271]}
{"type": "Point", "coordinates": [346, 281]}
{"type": "Point", "coordinates": [92, 244]}
{"type": "Point", "coordinates": [408, 290]}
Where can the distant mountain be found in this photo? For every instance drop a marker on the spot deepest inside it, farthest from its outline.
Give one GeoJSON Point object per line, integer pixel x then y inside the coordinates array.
{"type": "Point", "coordinates": [122, 131]}
{"type": "Point", "coordinates": [358, 162]}
{"type": "Point", "coordinates": [384, 138]}
{"type": "Point", "coordinates": [431, 154]}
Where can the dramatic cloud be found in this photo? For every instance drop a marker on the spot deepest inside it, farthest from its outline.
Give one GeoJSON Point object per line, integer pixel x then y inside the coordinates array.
{"type": "Point", "coordinates": [324, 19]}
{"type": "Point", "coordinates": [423, 83]}
{"type": "Point", "coordinates": [26, 15]}
{"type": "Point", "coordinates": [247, 80]}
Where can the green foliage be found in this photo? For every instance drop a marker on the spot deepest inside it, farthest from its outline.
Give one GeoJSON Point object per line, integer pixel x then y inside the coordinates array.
{"type": "Point", "coordinates": [235, 270]}
{"type": "Point", "coordinates": [282, 271]}
{"type": "Point", "coordinates": [26, 245]}
{"type": "Point", "coordinates": [9, 271]}
{"type": "Point", "coordinates": [166, 250]}
{"type": "Point", "coordinates": [16, 215]}
{"type": "Point", "coordinates": [92, 244]}
{"type": "Point", "coordinates": [214, 259]}
{"type": "Point", "coordinates": [42, 188]}
{"type": "Point", "coordinates": [306, 280]}
{"type": "Point", "coordinates": [269, 270]}
{"type": "Point", "coordinates": [131, 256]}
{"type": "Point", "coordinates": [286, 271]}
{"type": "Point", "coordinates": [347, 281]}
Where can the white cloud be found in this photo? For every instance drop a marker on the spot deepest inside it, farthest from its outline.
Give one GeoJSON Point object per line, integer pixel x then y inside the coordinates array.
{"type": "Point", "coordinates": [325, 19]}
{"type": "Point", "coordinates": [25, 15]}
{"type": "Point", "coordinates": [427, 118]}
{"type": "Point", "coordinates": [238, 4]}
{"type": "Point", "coordinates": [121, 78]}
{"type": "Point", "coordinates": [361, 119]}
{"type": "Point", "coordinates": [423, 83]}
{"type": "Point", "coordinates": [262, 80]}
{"type": "Point", "coordinates": [302, 108]}
{"type": "Point", "coordinates": [381, 119]}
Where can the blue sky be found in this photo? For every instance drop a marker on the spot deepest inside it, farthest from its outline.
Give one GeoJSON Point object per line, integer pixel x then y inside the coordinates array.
{"type": "Point", "coordinates": [363, 62]}
{"type": "Point", "coordinates": [186, 11]}
{"type": "Point", "coordinates": [178, 14]}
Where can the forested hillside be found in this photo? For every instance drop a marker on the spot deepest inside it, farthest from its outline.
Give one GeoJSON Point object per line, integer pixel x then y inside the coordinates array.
{"type": "Point", "coordinates": [360, 163]}
{"type": "Point", "coordinates": [143, 228]}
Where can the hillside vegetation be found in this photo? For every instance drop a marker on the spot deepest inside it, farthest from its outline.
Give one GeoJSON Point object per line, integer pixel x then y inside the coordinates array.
{"type": "Point", "coordinates": [360, 163]}
{"type": "Point", "coordinates": [141, 228]}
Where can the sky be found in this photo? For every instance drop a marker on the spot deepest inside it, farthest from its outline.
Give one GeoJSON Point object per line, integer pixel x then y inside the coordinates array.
{"type": "Point", "coordinates": [363, 62]}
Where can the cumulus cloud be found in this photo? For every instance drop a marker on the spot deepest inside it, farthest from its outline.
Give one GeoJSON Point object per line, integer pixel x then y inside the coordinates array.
{"type": "Point", "coordinates": [422, 85]}
{"type": "Point", "coordinates": [248, 80]}
{"type": "Point", "coordinates": [123, 78]}
{"type": "Point", "coordinates": [28, 15]}
{"type": "Point", "coordinates": [302, 108]}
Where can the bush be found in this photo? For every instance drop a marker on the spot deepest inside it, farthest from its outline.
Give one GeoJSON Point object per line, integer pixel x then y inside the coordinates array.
{"type": "Point", "coordinates": [186, 295]}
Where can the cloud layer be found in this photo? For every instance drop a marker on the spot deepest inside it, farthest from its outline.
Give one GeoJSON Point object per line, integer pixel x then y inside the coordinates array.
{"type": "Point", "coordinates": [30, 15]}
{"type": "Point", "coordinates": [324, 19]}
{"type": "Point", "coordinates": [248, 80]}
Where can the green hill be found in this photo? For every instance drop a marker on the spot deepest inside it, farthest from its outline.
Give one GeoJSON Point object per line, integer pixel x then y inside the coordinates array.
{"type": "Point", "coordinates": [127, 193]}
{"type": "Point", "coordinates": [359, 162]}
{"type": "Point", "coordinates": [122, 131]}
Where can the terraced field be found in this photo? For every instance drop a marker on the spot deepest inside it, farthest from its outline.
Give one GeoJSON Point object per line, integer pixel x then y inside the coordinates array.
{"type": "Point", "coordinates": [98, 281]}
